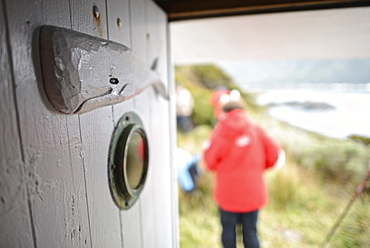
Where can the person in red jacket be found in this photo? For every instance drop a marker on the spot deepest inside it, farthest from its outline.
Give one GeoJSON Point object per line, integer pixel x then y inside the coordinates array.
{"type": "Point", "coordinates": [216, 100]}
{"type": "Point", "coordinates": [238, 151]}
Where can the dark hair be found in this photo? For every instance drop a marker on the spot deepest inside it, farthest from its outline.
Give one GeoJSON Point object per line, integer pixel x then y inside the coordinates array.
{"type": "Point", "coordinates": [231, 106]}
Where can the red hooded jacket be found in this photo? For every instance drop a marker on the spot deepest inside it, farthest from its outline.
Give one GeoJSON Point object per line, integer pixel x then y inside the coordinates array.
{"type": "Point", "coordinates": [239, 151]}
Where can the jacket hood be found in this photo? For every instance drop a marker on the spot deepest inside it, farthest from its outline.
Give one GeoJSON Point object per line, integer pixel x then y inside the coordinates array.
{"type": "Point", "coordinates": [236, 122]}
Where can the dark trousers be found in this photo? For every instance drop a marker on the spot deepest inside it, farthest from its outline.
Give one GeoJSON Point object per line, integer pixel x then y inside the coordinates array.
{"type": "Point", "coordinates": [184, 123]}
{"type": "Point", "coordinates": [248, 221]}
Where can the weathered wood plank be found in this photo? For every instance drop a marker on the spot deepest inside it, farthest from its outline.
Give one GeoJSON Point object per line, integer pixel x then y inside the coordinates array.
{"type": "Point", "coordinates": [170, 120]}
{"type": "Point", "coordinates": [119, 21]}
{"type": "Point", "coordinates": [119, 30]}
{"type": "Point", "coordinates": [96, 128]}
{"type": "Point", "coordinates": [148, 200]}
{"type": "Point", "coordinates": [165, 209]}
{"type": "Point", "coordinates": [14, 211]}
{"type": "Point", "coordinates": [77, 219]}
{"type": "Point", "coordinates": [55, 190]}
{"type": "Point", "coordinates": [131, 219]}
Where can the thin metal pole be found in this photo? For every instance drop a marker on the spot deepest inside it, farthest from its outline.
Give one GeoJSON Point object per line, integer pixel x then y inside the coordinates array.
{"type": "Point", "coordinates": [358, 191]}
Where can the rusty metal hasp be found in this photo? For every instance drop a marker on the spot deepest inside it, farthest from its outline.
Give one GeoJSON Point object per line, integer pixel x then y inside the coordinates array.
{"type": "Point", "coordinates": [81, 72]}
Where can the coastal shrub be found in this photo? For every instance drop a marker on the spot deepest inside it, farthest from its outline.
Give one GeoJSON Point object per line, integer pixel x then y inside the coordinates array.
{"type": "Point", "coordinates": [341, 161]}
{"type": "Point", "coordinates": [199, 133]}
{"type": "Point", "coordinates": [212, 76]}
{"type": "Point", "coordinates": [359, 138]}
{"type": "Point", "coordinates": [202, 111]}
{"type": "Point", "coordinates": [355, 228]}
{"type": "Point", "coordinates": [201, 80]}
{"type": "Point", "coordinates": [282, 186]}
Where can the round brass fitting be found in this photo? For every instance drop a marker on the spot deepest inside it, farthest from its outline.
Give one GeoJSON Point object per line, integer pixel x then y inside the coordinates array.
{"type": "Point", "coordinates": [128, 160]}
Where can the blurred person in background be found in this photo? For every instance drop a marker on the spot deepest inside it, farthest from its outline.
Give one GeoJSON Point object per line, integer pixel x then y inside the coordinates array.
{"type": "Point", "coordinates": [184, 108]}
{"type": "Point", "coordinates": [187, 169]}
{"type": "Point", "coordinates": [238, 151]}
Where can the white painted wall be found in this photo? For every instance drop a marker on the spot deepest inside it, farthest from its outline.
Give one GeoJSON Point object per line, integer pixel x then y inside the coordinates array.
{"type": "Point", "coordinates": [54, 189]}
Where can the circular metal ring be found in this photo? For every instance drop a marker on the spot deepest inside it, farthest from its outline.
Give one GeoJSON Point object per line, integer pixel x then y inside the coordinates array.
{"type": "Point", "coordinates": [128, 160]}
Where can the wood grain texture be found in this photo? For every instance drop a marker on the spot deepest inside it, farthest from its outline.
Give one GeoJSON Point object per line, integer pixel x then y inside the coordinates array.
{"type": "Point", "coordinates": [185, 9]}
{"type": "Point", "coordinates": [52, 200]}
{"type": "Point", "coordinates": [96, 128]}
{"type": "Point", "coordinates": [148, 201]}
{"type": "Point", "coordinates": [14, 211]}
{"type": "Point", "coordinates": [133, 235]}
{"type": "Point", "coordinates": [161, 116]}
{"type": "Point", "coordinates": [54, 183]}
{"type": "Point", "coordinates": [55, 189]}
{"type": "Point", "coordinates": [169, 121]}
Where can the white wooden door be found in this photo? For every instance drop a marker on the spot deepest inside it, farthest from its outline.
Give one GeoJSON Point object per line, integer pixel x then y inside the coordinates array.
{"type": "Point", "coordinates": [54, 183]}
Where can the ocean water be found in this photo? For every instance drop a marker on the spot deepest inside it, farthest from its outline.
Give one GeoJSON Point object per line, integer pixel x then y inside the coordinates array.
{"type": "Point", "coordinates": [350, 115]}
